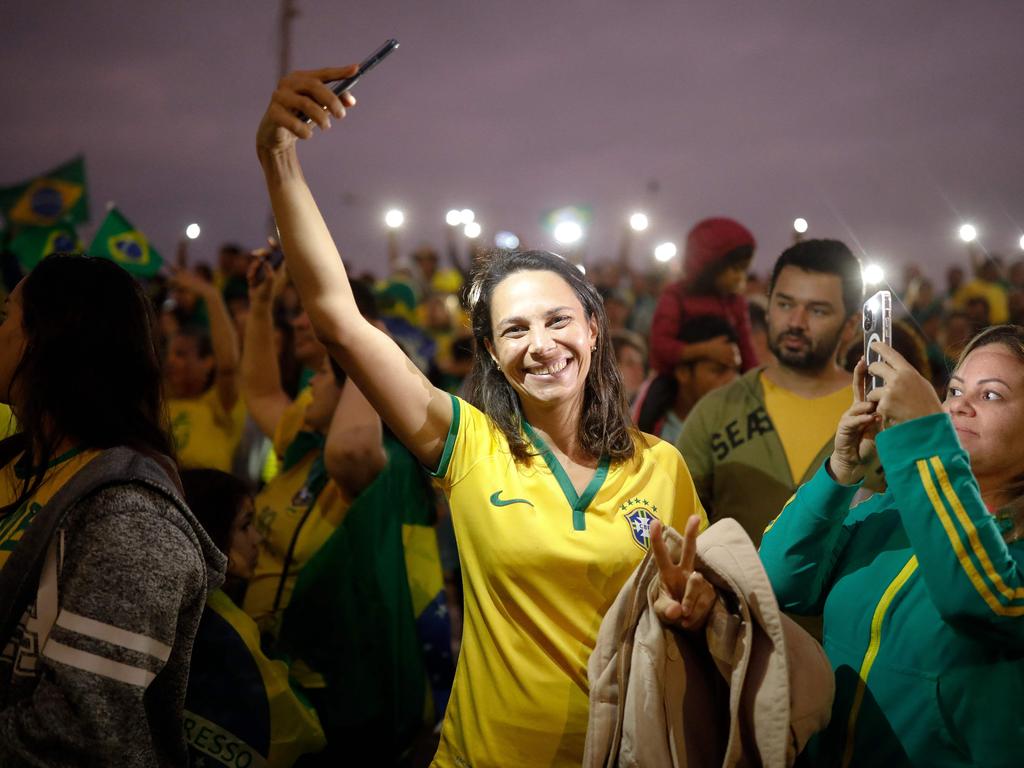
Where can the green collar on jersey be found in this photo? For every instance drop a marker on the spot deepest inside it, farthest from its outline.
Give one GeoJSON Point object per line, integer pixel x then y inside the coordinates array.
{"type": "Point", "coordinates": [23, 470]}
{"type": "Point", "coordinates": [577, 503]}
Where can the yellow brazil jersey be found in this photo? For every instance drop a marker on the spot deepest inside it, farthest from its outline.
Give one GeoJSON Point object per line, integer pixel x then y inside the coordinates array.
{"type": "Point", "coordinates": [205, 435]}
{"type": "Point", "coordinates": [291, 421]}
{"type": "Point", "coordinates": [299, 499]}
{"type": "Point", "coordinates": [61, 469]}
{"type": "Point", "coordinates": [804, 425]}
{"type": "Point", "coordinates": [540, 567]}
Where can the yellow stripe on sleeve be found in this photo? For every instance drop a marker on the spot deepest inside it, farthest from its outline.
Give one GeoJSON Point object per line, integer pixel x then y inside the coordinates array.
{"type": "Point", "coordinates": [958, 547]}
{"type": "Point", "coordinates": [769, 526]}
{"type": "Point", "coordinates": [972, 533]}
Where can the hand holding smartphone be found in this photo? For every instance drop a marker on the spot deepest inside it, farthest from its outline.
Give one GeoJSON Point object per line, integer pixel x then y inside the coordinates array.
{"type": "Point", "coordinates": [877, 327]}
{"type": "Point", "coordinates": [340, 86]}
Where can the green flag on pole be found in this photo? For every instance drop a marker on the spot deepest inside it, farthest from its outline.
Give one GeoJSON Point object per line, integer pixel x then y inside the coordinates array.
{"type": "Point", "coordinates": [55, 196]}
{"type": "Point", "coordinates": [119, 241]}
{"type": "Point", "coordinates": [32, 244]}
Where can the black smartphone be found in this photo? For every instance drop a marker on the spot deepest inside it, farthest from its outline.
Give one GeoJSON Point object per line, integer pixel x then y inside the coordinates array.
{"type": "Point", "coordinates": [371, 61]}
{"type": "Point", "coordinates": [877, 327]}
{"type": "Point", "coordinates": [274, 259]}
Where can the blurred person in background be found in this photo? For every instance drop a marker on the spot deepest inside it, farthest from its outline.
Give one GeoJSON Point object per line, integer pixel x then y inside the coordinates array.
{"type": "Point", "coordinates": [751, 443]}
{"type": "Point", "coordinates": [689, 382]}
{"type": "Point", "coordinates": [240, 707]}
{"type": "Point", "coordinates": [717, 256]}
{"type": "Point", "coordinates": [201, 370]}
{"type": "Point", "coordinates": [631, 359]}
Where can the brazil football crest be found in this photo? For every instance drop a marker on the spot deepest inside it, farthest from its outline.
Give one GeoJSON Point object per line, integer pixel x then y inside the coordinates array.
{"type": "Point", "coordinates": [639, 514]}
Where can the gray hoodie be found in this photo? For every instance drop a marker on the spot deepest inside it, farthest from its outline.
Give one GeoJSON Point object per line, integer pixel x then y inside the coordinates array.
{"type": "Point", "coordinates": [99, 605]}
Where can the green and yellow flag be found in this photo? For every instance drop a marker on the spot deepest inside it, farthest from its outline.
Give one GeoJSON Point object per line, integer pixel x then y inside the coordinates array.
{"type": "Point", "coordinates": [119, 241]}
{"type": "Point", "coordinates": [32, 244]}
{"type": "Point", "coordinates": [56, 196]}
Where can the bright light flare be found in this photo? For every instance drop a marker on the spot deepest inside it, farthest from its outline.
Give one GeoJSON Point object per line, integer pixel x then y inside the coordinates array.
{"type": "Point", "coordinates": [800, 225]}
{"type": "Point", "coordinates": [568, 232]}
{"type": "Point", "coordinates": [472, 230]}
{"type": "Point", "coordinates": [394, 218]}
{"type": "Point", "coordinates": [1021, 242]}
{"type": "Point", "coordinates": [968, 233]}
{"type": "Point", "coordinates": [453, 218]}
{"type": "Point", "coordinates": [192, 231]}
{"type": "Point", "coordinates": [873, 274]}
{"type": "Point", "coordinates": [665, 252]}
{"type": "Point", "coordinates": [507, 240]}
{"type": "Point", "coordinates": [467, 216]}
{"type": "Point", "coordinates": [639, 222]}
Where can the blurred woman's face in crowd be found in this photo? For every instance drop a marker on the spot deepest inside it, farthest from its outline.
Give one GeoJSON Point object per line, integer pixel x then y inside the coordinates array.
{"type": "Point", "coordinates": [986, 403]}
{"type": "Point", "coordinates": [326, 394]}
{"type": "Point", "coordinates": [308, 350]}
{"type": "Point", "coordinates": [244, 543]}
{"type": "Point", "coordinates": [12, 343]}
{"type": "Point", "coordinates": [541, 337]}
{"type": "Point", "coordinates": [187, 372]}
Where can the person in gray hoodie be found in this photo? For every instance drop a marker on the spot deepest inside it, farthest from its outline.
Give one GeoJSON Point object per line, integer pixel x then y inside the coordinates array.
{"type": "Point", "coordinates": [104, 572]}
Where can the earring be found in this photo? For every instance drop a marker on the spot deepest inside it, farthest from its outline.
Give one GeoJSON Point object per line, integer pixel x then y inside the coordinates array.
{"type": "Point", "coordinates": [594, 348]}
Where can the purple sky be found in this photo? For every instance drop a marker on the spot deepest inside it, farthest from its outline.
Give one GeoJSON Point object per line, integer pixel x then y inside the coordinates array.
{"type": "Point", "coordinates": [883, 126]}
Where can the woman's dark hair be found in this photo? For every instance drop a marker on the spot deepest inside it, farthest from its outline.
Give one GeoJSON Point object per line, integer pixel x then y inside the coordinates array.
{"type": "Point", "coordinates": [91, 367]}
{"type": "Point", "coordinates": [1012, 338]}
{"type": "Point", "coordinates": [214, 498]}
{"type": "Point", "coordinates": [604, 428]}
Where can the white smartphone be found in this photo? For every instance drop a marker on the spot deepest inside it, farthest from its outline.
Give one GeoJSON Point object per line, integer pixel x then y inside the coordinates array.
{"type": "Point", "coordinates": [877, 327]}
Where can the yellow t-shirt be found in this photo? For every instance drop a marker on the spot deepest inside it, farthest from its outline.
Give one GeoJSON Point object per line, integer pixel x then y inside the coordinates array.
{"type": "Point", "coordinates": [291, 421]}
{"type": "Point", "coordinates": [8, 424]}
{"type": "Point", "coordinates": [540, 569]}
{"type": "Point", "coordinates": [14, 525]}
{"type": "Point", "coordinates": [280, 508]}
{"type": "Point", "coordinates": [205, 435]}
{"type": "Point", "coordinates": [804, 425]}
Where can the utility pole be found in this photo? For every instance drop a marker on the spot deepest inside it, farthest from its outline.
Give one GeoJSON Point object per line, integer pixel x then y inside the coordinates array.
{"type": "Point", "coordinates": [284, 66]}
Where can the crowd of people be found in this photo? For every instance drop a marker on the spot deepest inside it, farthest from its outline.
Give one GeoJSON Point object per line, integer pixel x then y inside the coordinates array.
{"type": "Point", "coordinates": [497, 512]}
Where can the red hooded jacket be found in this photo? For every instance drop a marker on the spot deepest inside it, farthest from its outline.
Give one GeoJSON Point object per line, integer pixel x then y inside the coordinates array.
{"type": "Point", "coordinates": [706, 246]}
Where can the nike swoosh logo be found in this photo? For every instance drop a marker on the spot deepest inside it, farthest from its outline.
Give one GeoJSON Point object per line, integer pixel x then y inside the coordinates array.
{"type": "Point", "coordinates": [497, 501]}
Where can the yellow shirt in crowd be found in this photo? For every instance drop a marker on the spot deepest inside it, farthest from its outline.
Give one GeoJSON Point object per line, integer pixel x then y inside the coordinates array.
{"type": "Point", "coordinates": [14, 525]}
{"type": "Point", "coordinates": [541, 566]}
{"type": "Point", "coordinates": [205, 434]}
{"type": "Point", "coordinates": [804, 425]}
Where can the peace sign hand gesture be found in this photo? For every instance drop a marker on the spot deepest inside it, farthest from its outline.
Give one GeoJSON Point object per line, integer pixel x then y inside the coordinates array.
{"type": "Point", "coordinates": [685, 597]}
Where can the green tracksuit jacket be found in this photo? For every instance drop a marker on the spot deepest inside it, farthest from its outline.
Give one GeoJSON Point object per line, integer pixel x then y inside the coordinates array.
{"type": "Point", "coordinates": [923, 603]}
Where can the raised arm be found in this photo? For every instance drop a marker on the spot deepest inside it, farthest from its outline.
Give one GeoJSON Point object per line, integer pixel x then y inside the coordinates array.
{"type": "Point", "coordinates": [261, 375]}
{"type": "Point", "coordinates": [222, 336]}
{"type": "Point", "coordinates": [354, 452]}
{"type": "Point", "coordinates": [418, 413]}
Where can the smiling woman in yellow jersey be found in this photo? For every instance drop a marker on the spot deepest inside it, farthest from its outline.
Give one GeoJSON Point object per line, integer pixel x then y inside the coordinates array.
{"type": "Point", "coordinates": [552, 490]}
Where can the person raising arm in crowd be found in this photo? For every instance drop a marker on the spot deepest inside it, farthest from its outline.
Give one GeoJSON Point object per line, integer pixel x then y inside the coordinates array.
{"type": "Point", "coordinates": [553, 494]}
{"type": "Point", "coordinates": [206, 414]}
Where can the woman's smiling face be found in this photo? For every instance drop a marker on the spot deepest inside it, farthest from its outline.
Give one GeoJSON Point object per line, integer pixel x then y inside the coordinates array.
{"type": "Point", "coordinates": [542, 338]}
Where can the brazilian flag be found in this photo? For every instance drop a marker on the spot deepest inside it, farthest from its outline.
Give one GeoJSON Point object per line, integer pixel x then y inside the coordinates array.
{"type": "Point", "coordinates": [118, 240]}
{"type": "Point", "coordinates": [55, 196]}
{"type": "Point", "coordinates": [32, 244]}
{"type": "Point", "coordinates": [368, 614]}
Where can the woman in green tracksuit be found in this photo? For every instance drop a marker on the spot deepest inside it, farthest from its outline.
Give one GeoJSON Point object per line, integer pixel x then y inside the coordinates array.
{"type": "Point", "coordinates": [922, 586]}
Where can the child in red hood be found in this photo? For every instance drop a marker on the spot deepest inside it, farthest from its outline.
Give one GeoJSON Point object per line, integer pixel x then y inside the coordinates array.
{"type": "Point", "coordinates": [717, 257]}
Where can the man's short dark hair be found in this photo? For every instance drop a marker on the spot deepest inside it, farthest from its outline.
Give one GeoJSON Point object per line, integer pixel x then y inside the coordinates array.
{"type": "Point", "coordinates": [831, 257]}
